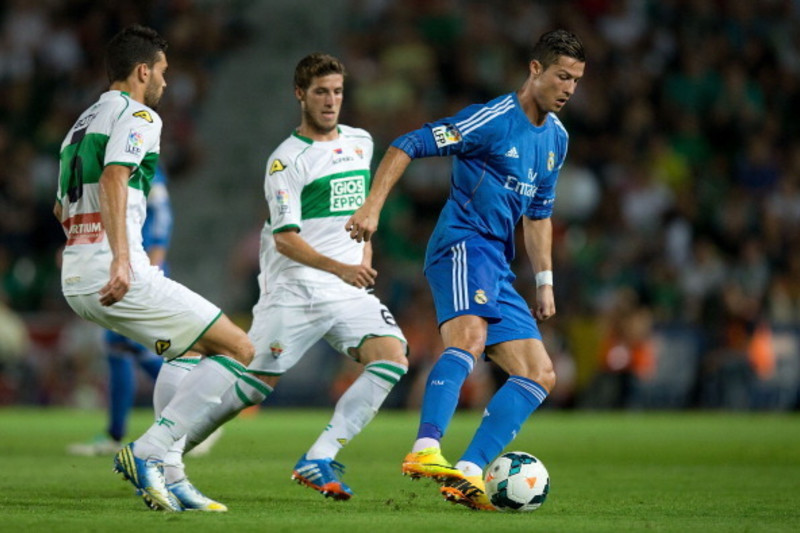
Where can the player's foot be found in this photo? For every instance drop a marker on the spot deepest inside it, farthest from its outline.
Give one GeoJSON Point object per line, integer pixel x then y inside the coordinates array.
{"type": "Point", "coordinates": [430, 463]}
{"type": "Point", "coordinates": [322, 475]}
{"type": "Point", "coordinates": [148, 478]}
{"type": "Point", "coordinates": [99, 445]}
{"type": "Point", "coordinates": [192, 499]}
{"type": "Point", "coordinates": [204, 447]}
{"type": "Point", "coordinates": [469, 491]}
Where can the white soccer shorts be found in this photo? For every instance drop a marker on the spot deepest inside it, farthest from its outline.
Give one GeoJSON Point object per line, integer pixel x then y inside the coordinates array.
{"type": "Point", "coordinates": [289, 319]}
{"type": "Point", "coordinates": [157, 312]}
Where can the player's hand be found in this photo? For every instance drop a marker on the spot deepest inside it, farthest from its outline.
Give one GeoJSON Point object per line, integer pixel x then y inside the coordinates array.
{"type": "Point", "coordinates": [363, 223]}
{"type": "Point", "coordinates": [545, 303]}
{"type": "Point", "coordinates": [360, 276]}
{"type": "Point", "coordinates": [118, 284]}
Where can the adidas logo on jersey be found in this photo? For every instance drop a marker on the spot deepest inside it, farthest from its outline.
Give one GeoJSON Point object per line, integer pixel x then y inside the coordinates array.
{"type": "Point", "coordinates": [513, 153]}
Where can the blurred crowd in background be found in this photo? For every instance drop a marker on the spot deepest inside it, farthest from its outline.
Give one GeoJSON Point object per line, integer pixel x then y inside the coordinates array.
{"type": "Point", "coordinates": [676, 245]}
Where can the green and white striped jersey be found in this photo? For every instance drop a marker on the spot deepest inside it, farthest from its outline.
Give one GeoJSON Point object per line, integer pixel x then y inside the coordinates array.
{"type": "Point", "coordinates": [115, 130]}
{"type": "Point", "coordinates": [315, 187]}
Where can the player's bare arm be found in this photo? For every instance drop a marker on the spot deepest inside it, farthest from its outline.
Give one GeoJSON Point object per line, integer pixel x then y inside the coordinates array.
{"type": "Point", "coordinates": [113, 204]}
{"type": "Point", "coordinates": [293, 246]}
{"type": "Point", "coordinates": [538, 236]}
{"type": "Point", "coordinates": [366, 259]}
{"type": "Point", "coordinates": [58, 212]}
{"type": "Point", "coordinates": [364, 222]}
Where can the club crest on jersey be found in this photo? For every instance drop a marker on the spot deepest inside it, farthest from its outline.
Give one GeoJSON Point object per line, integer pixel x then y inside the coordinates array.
{"type": "Point", "coordinates": [135, 143]}
{"type": "Point", "coordinates": [359, 152]}
{"type": "Point", "coordinates": [162, 346]}
{"type": "Point", "coordinates": [276, 166]}
{"type": "Point", "coordinates": [276, 349]}
{"type": "Point", "coordinates": [551, 161]}
{"type": "Point", "coordinates": [480, 297]}
{"type": "Point", "coordinates": [144, 115]}
{"type": "Point", "coordinates": [446, 134]}
{"type": "Point", "coordinates": [282, 197]}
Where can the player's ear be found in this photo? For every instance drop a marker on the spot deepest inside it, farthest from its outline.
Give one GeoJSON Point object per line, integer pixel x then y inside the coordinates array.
{"type": "Point", "coordinates": [142, 72]}
{"type": "Point", "coordinates": [536, 68]}
{"type": "Point", "coordinates": [299, 93]}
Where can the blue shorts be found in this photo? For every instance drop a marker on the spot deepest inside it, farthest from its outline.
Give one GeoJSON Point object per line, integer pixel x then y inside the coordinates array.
{"type": "Point", "coordinates": [473, 278]}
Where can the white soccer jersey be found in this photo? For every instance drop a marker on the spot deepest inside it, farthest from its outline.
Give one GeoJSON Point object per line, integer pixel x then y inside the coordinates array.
{"type": "Point", "coordinates": [315, 187]}
{"type": "Point", "coordinates": [115, 130]}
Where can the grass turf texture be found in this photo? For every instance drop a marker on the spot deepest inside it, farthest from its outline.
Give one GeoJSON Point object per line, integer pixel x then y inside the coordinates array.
{"type": "Point", "coordinates": [609, 472]}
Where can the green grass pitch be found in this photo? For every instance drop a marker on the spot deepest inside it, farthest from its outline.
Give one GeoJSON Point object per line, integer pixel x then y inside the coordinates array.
{"type": "Point", "coordinates": [609, 472]}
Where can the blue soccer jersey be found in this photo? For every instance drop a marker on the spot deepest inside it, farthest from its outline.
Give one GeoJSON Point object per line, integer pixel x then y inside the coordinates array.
{"type": "Point", "coordinates": [503, 167]}
{"type": "Point", "coordinates": [157, 228]}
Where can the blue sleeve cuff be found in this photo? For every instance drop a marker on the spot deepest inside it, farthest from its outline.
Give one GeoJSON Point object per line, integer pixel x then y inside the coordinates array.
{"type": "Point", "coordinates": [415, 143]}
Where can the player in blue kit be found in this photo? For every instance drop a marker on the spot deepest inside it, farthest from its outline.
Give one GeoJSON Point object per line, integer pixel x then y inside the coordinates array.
{"type": "Point", "coordinates": [122, 352]}
{"type": "Point", "coordinates": [506, 158]}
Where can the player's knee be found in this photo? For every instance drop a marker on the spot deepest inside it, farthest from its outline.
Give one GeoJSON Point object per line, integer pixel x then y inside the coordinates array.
{"type": "Point", "coordinates": [546, 377]}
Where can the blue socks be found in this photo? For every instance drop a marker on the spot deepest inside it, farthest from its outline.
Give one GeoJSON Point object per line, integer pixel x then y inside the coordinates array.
{"type": "Point", "coordinates": [122, 387]}
{"type": "Point", "coordinates": [511, 405]}
{"type": "Point", "coordinates": [442, 392]}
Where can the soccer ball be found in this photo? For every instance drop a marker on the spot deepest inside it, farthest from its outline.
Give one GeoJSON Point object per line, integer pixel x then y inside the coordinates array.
{"type": "Point", "coordinates": [517, 481]}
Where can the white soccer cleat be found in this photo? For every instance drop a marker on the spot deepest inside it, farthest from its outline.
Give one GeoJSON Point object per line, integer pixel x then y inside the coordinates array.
{"type": "Point", "coordinates": [192, 499]}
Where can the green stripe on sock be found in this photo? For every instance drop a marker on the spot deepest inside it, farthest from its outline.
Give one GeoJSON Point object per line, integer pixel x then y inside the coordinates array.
{"type": "Point", "coordinates": [185, 360]}
{"type": "Point", "coordinates": [257, 384]}
{"type": "Point", "coordinates": [243, 397]}
{"type": "Point", "coordinates": [397, 369]}
{"type": "Point", "coordinates": [234, 367]}
{"type": "Point", "coordinates": [389, 379]}
{"type": "Point", "coordinates": [387, 371]}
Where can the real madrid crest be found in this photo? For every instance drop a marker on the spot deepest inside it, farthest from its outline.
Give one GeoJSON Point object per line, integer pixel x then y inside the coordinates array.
{"type": "Point", "coordinates": [551, 161]}
{"type": "Point", "coordinates": [480, 296]}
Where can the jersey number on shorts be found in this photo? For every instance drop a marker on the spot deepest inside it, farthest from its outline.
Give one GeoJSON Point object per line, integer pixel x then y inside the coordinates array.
{"type": "Point", "coordinates": [387, 317]}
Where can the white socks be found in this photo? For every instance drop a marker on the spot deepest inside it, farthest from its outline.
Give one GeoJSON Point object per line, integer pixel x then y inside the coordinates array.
{"type": "Point", "coordinates": [195, 396]}
{"type": "Point", "coordinates": [357, 407]}
{"type": "Point", "coordinates": [248, 390]}
{"type": "Point", "coordinates": [425, 442]}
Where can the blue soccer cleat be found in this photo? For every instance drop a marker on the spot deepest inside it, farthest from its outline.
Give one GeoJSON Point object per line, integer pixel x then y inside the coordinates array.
{"type": "Point", "coordinates": [322, 475]}
{"type": "Point", "coordinates": [192, 499]}
{"type": "Point", "coordinates": [148, 478]}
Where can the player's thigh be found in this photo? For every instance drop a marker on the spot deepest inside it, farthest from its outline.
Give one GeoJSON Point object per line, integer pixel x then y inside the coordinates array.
{"type": "Point", "coordinates": [225, 338]}
{"type": "Point", "coordinates": [283, 330]}
{"type": "Point", "coordinates": [365, 330]}
{"type": "Point", "coordinates": [161, 314]}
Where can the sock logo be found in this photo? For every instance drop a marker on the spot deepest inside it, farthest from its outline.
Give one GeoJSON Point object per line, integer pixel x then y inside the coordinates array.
{"type": "Point", "coordinates": [165, 422]}
{"type": "Point", "coordinates": [162, 345]}
{"type": "Point", "coordinates": [341, 442]}
{"type": "Point", "coordinates": [437, 382]}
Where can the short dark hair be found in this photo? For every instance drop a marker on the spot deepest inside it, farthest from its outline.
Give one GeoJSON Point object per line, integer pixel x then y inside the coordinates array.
{"type": "Point", "coordinates": [316, 65]}
{"type": "Point", "coordinates": [556, 43]}
{"type": "Point", "coordinates": [134, 45]}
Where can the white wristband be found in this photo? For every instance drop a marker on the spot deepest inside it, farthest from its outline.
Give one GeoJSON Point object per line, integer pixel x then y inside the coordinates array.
{"type": "Point", "coordinates": [545, 277]}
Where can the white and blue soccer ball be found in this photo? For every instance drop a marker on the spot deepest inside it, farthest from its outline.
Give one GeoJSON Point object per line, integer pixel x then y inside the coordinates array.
{"type": "Point", "coordinates": [517, 481]}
